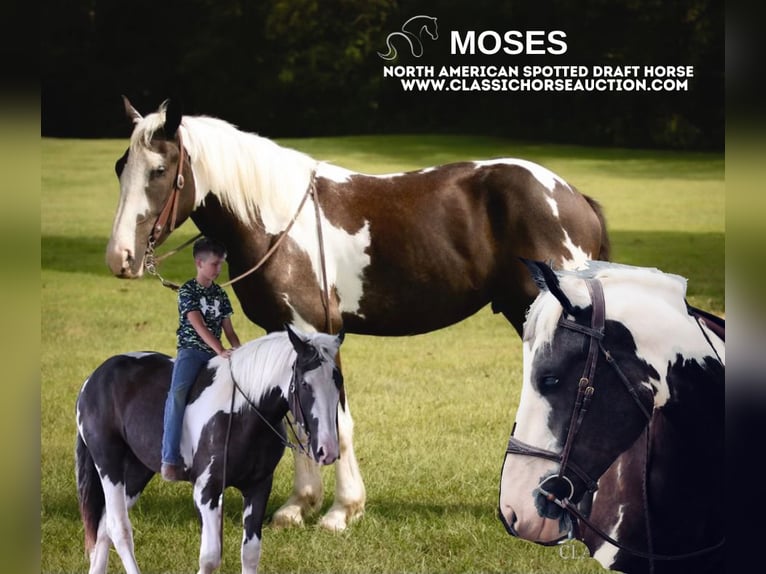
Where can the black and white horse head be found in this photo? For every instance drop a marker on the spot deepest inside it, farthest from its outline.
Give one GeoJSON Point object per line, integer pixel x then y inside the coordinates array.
{"type": "Point", "coordinates": [612, 351]}
{"type": "Point", "coordinates": [233, 435]}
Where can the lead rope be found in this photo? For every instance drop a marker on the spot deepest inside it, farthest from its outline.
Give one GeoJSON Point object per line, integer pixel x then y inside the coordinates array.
{"type": "Point", "coordinates": [325, 291]}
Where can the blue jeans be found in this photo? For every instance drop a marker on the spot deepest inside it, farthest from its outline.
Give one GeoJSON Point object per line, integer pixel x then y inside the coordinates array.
{"type": "Point", "coordinates": [188, 364]}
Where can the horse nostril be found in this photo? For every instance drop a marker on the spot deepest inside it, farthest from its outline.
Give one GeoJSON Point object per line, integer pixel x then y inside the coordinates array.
{"type": "Point", "coordinates": [320, 453]}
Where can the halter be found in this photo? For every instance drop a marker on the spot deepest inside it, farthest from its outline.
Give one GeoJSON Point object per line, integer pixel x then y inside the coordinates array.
{"type": "Point", "coordinates": [585, 391]}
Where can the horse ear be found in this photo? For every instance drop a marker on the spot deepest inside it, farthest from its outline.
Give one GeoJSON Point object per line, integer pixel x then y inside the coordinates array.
{"type": "Point", "coordinates": [547, 280]}
{"type": "Point", "coordinates": [298, 344]}
{"type": "Point", "coordinates": [341, 335]}
{"type": "Point", "coordinates": [173, 116]}
{"type": "Point", "coordinates": [130, 111]}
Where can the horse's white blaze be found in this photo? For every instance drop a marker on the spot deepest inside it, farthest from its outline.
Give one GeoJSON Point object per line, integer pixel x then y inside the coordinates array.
{"type": "Point", "coordinates": [133, 205]}
{"type": "Point", "coordinates": [545, 176]}
{"type": "Point", "coordinates": [521, 474]}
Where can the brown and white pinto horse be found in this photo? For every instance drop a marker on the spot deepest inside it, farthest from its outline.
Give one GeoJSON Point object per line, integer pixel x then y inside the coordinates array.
{"type": "Point", "coordinates": [403, 253]}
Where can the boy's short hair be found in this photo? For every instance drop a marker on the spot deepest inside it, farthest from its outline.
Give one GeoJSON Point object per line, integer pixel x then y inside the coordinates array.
{"type": "Point", "coordinates": [208, 246]}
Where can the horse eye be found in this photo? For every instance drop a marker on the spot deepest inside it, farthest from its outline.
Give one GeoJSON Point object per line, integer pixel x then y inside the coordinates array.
{"type": "Point", "coordinates": [157, 172]}
{"type": "Point", "coordinates": [549, 382]}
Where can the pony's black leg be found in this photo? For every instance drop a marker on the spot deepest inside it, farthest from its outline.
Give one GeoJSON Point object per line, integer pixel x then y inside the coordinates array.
{"type": "Point", "coordinates": [254, 511]}
{"type": "Point", "coordinates": [137, 476]}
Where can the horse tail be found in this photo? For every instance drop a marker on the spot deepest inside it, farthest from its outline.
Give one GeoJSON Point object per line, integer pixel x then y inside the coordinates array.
{"type": "Point", "coordinates": [605, 252]}
{"type": "Point", "coordinates": [90, 493]}
{"type": "Point", "coordinates": [392, 53]}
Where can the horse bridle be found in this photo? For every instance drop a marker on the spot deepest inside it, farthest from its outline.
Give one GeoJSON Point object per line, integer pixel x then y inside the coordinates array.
{"type": "Point", "coordinates": [169, 211]}
{"type": "Point", "coordinates": [585, 391]}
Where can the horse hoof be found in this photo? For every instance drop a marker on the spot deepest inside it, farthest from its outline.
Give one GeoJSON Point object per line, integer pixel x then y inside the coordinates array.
{"type": "Point", "coordinates": [287, 517]}
{"type": "Point", "coordinates": [338, 519]}
{"type": "Point", "coordinates": [334, 521]}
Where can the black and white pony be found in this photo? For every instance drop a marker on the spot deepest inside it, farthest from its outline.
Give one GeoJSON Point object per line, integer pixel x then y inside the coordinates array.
{"type": "Point", "coordinates": [619, 433]}
{"type": "Point", "coordinates": [119, 421]}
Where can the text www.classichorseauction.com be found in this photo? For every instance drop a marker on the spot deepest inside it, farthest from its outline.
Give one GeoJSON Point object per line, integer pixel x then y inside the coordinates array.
{"type": "Point", "coordinates": [514, 78]}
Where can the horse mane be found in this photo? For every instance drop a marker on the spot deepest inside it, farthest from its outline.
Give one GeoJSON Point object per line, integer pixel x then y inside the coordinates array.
{"type": "Point", "coordinates": [249, 174]}
{"type": "Point", "coordinates": [257, 364]}
{"type": "Point", "coordinates": [543, 315]}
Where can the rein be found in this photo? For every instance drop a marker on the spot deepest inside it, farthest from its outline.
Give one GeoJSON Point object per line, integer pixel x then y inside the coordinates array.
{"type": "Point", "coordinates": [585, 393]}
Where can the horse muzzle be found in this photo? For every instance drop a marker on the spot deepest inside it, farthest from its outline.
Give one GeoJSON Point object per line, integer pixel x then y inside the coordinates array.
{"type": "Point", "coordinates": [326, 452]}
{"type": "Point", "coordinates": [538, 529]}
{"type": "Point", "coordinates": [123, 263]}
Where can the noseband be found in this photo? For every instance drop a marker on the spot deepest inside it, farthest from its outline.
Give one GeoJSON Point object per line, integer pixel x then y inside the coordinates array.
{"type": "Point", "coordinates": [585, 391]}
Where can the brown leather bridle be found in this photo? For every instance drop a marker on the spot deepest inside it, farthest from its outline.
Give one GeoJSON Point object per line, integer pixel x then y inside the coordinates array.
{"type": "Point", "coordinates": [169, 211]}
{"type": "Point", "coordinates": [585, 391]}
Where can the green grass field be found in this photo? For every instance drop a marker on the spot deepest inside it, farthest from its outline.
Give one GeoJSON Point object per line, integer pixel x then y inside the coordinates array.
{"type": "Point", "coordinates": [432, 413]}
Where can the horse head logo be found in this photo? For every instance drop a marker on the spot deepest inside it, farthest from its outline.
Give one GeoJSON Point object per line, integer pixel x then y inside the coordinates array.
{"type": "Point", "coordinates": [419, 24]}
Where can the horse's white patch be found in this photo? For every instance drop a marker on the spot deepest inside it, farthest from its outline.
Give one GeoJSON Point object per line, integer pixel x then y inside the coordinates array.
{"type": "Point", "coordinates": [545, 176]}
{"type": "Point", "coordinates": [333, 172]}
{"type": "Point", "coordinates": [579, 257]}
{"type": "Point", "coordinates": [346, 256]}
{"type": "Point", "coordinates": [210, 548]}
{"type": "Point", "coordinates": [138, 354]}
{"type": "Point", "coordinates": [648, 302]}
{"type": "Point", "coordinates": [554, 206]}
{"type": "Point", "coordinates": [251, 546]}
{"type": "Point", "coordinates": [607, 552]}
{"type": "Point", "coordinates": [302, 324]}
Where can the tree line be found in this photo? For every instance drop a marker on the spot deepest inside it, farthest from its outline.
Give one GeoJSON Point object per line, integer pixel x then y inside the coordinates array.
{"type": "Point", "coordinates": [310, 67]}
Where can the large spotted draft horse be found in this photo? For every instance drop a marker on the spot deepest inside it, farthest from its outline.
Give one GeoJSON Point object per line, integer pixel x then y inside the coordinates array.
{"type": "Point", "coordinates": [619, 435]}
{"type": "Point", "coordinates": [233, 435]}
{"type": "Point", "coordinates": [320, 246]}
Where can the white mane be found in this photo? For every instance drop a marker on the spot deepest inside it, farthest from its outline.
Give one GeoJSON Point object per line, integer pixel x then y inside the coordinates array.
{"type": "Point", "coordinates": [249, 174]}
{"type": "Point", "coordinates": [626, 289]}
{"type": "Point", "coordinates": [259, 364]}
{"type": "Point", "coordinates": [650, 303]}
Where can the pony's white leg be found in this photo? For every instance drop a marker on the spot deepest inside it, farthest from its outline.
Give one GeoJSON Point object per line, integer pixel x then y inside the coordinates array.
{"type": "Point", "coordinates": [99, 555]}
{"type": "Point", "coordinates": [350, 493]}
{"type": "Point", "coordinates": [250, 553]}
{"type": "Point", "coordinates": [118, 525]}
{"type": "Point", "coordinates": [307, 493]}
{"type": "Point", "coordinates": [210, 537]}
